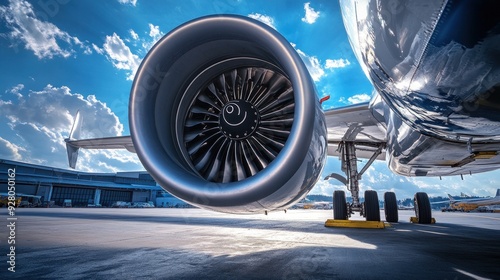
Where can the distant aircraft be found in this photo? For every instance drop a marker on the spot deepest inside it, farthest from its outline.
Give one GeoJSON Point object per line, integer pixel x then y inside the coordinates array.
{"type": "Point", "coordinates": [224, 114]}
{"type": "Point", "coordinates": [403, 207]}
{"type": "Point", "coordinates": [468, 205]}
{"type": "Point", "coordinates": [464, 195]}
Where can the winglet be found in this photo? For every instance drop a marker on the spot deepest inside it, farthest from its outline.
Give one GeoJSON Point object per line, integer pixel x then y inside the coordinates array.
{"type": "Point", "coordinates": [74, 133]}
{"type": "Point", "coordinates": [451, 198]}
{"type": "Point", "coordinates": [72, 154]}
{"type": "Point", "coordinates": [498, 193]}
{"type": "Point", "coordinates": [71, 149]}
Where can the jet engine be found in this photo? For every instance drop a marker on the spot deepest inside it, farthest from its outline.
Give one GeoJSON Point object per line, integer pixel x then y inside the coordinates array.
{"type": "Point", "coordinates": [224, 115]}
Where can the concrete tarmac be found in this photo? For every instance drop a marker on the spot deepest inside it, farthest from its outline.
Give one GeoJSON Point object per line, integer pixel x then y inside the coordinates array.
{"type": "Point", "coordinates": [65, 243]}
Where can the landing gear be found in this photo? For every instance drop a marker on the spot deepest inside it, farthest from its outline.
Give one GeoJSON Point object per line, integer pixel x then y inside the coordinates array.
{"type": "Point", "coordinates": [339, 206]}
{"type": "Point", "coordinates": [391, 207]}
{"type": "Point", "coordinates": [371, 209]}
{"type": "Point", "coordinates": [422, 208]}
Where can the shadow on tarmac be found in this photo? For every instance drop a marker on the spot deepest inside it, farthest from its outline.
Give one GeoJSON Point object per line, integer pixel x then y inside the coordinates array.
{"type": "Point", "coordinates": [404, 251]}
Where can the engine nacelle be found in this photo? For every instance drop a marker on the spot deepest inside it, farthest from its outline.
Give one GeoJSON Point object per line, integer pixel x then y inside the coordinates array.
{"type": "Point", "coordinates": [224, 115]}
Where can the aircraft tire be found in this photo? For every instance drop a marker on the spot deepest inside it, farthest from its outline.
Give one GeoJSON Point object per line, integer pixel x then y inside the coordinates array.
{"type": "Point", "coordinates": [391, 207]}
{"type": "Point", "coordinates": [372, 209]}
{"type": "Point", "coordinates": [339, 206]}
{"type": "Point", "coordinates": [423, 208]}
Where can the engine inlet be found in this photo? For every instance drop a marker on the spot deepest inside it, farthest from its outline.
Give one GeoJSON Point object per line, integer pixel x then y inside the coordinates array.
{"type": "Point", "coordinates": [239, 123]}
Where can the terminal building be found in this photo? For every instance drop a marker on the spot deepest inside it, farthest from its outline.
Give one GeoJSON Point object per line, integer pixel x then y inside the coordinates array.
{"type": "Point", "coordinates": [56, 186]}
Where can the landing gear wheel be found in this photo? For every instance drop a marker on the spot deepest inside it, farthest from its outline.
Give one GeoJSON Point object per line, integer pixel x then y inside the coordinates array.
{"type": "Point", "coordinates": [371, 207]}
{"type": "Point", "coordinates": [339, 206]}
{"type": "Point", "coordinates": [422, 208]}
{"type": "Point", "coordinates": [390, 207]}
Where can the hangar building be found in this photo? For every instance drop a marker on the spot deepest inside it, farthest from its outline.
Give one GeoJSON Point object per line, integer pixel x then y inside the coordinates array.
{"type": "Point", "coordinates": [54, 184]}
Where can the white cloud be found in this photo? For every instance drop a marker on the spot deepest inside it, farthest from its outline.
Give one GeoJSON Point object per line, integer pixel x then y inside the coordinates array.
{"type": "Point", "coordinates": [326, 187]}
{"type": "Point", "coordinates": [43, 38]}
{"type": "Point", "coordinates": [154, 31]}
{"type": "Point", "coordinates": [155, 34]}
{"type": "Point", "coordinates": [87, 50]}
{"type": "Point", "coordinates": [16, 90]}
{"type": "Point", "coordinates": [9, 150]}
{"type": "Point", "coordinates": [131, 2]}
{"type": "Point", "coordinates": [134, 35]}
{"type": "Point", "coordinates": [359, 98]}
{"type": "Point", "coordinates": [336, 63]}
{"type": "Point", "coordinates": [97, 49]}
{"type": "Point", "coordinates": [120, 55]}
{"type": "Point", "coordinates": [263, 18]}
{"type": "Point", "coordinates": [313, 65]}
{"type": "Point", "coordinates": [477, 185]}
{"type": "Point", "coordinates": [34, 127]}
{"type": "Point", "coordinates": [311, 15]}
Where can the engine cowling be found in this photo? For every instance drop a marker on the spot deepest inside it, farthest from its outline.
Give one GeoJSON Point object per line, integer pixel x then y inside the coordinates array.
{"type": "Point", "coordinates": [224, 115]}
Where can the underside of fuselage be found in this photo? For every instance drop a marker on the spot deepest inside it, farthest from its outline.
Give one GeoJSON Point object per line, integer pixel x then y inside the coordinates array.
{"type": "Point", "coordinates": [434, 63]}
{"type": "Point", "coordinates": [436, 67]}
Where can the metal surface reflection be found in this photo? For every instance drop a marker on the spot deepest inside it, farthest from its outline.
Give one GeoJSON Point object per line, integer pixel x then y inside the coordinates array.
{"type": "Point", "coordinates": [435, 63]}
{"type": "Point", "coordinates": [191, 133]}
{"type": "Point", "coordinates": [435, 66]}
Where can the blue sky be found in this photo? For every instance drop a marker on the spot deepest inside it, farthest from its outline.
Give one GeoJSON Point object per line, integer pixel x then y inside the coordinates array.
{"type": "Point", "coordinates": [60, 56]}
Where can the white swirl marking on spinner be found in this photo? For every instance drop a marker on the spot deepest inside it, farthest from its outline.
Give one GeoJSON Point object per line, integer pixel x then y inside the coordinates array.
{"type": "Point", "coordinates": [230, 109]}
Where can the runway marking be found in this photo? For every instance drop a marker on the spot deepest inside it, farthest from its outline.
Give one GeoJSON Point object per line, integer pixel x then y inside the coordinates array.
{"type": "Point", "coordinates": [432, 232]}
{"type": "Point", "coordinates": [432, 226]}
{"type": "Point", "coordinates": [471, 275]}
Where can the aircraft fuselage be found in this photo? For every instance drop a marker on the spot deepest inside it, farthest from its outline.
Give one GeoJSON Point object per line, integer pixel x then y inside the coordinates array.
{"type": "Point", "coordinates": [436, 67]}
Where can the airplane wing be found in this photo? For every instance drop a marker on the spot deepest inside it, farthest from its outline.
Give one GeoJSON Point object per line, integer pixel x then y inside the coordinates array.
{"type": "Point", "coordinates": [118, 142]}
{"type": "Point", "coordinates": [355, 124]}
{"type": "Point", "coordinates": [73, 144]}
